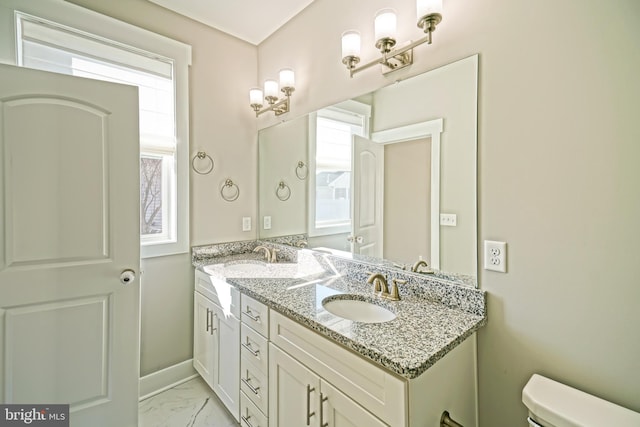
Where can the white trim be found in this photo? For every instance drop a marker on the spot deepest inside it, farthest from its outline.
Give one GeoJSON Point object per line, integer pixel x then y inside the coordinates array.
{"type": "Point", "coordinates": [432, 129]}
{"type": "Point", "coordinates": [166, 378]}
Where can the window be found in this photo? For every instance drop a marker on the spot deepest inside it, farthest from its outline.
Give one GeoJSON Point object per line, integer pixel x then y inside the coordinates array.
{"type": "Point", "coordinates": [54, 47]}
{"type": "Point", "coordinates": [331, 141]}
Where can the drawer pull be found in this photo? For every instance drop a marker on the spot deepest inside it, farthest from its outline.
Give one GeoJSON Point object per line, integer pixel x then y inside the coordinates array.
{"type": "Point", "coordinates": [251, 350]}
{"type": "Point", "coordinates": [246, 420]}
{"type": "Point", "coordinates": [210, 322]}
{"type": "Point", "coordinates": [309, 413]}
{"type": "Point", "coordinates": [254, 390]}
{"type": "Point", "coordinates": [250, 315]}
{"type": "Point", "coordinates": [323, 399]}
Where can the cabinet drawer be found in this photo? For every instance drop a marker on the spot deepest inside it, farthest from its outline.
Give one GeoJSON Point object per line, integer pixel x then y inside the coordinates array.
{"type": "Point", "coordinates": [253, 382]}
{"type": "Point", "coordinates": [255, 314]}
{"type": "Point", "coordinates": [367, 384]}
{"type": "Point", "coordinates": [219, 291]}
{"type": "Point", "coordinates": [254, 347]}
{"type": "Point", "coordinates": [250, 415]}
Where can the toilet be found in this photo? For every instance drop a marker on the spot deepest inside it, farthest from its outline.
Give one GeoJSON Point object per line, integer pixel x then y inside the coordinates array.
{"type": "Point", "coordinates": [552, 404]}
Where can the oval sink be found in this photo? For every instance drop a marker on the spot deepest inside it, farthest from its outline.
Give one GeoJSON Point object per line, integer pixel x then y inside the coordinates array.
{"type": "Point", "coordinates": [246, 267]}
{"type": "Point", "coordinates": [357, 310]}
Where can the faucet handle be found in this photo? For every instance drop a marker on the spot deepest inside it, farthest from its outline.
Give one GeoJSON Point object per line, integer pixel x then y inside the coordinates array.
{"type": "Point", "coordinates": [274, 255]}
{"type": "Point", "coordinates": [395, 295]}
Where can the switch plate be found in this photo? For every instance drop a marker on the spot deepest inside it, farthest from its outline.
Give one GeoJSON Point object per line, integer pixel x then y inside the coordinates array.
{"type": "Point", "coordinates": [246, 223]}
{"type": "Point", "coordinates": [266, 223]}
{"type": "Point", "coordinates": [495, 256]}
{"type": "Point", "coordinates": [450, 220]}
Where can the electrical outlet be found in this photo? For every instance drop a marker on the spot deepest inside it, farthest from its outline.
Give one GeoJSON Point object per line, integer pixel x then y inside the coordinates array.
{"type": "Point", "coordinates": [495, 256]}
{"type": "Point", "coordinates": [246, 223]}
{"type": "Point", "coordinates": [266, 223]}
{"type": "Point", "coordinates": [450, 220]}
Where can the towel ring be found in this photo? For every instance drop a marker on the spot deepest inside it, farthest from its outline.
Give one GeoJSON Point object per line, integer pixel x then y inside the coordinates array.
{"type": "Point", "coordinates": [202, 156]}
{"type": "Point", "coordinates": [230, 184]}
{"type": "Point", "coordinates": [283, 191]}
{"type": "Point", "coordinates": [302, 170]}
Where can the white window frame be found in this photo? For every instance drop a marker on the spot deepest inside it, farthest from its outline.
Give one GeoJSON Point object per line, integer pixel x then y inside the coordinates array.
{"type": "Point", "coordinates": [132, 37]}
{"type": "Point", "coordinates": [357, 108]}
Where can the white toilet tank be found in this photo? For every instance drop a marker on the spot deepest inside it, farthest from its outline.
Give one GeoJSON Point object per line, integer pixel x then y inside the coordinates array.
{"type": "Point", "coordinates": [552, 404]}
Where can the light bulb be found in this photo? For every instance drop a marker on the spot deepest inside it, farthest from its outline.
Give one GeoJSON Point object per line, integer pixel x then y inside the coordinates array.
{"type": "Point", "coordinates": [428, 7]}
{"type": "Point", "coordinates": [385, 24]}
{"type": "Point", "coordinates": [350, 43]}
{"type": "Point", "coordinates": [287, 78]}
{"type": "Point", "coordinates": [270, 88]}
{"type": "Point", "coordinates": [255, 96]}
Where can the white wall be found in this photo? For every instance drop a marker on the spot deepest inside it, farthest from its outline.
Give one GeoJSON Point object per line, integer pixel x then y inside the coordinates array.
{"type": "Point", "coordinates": [223, 125]}
{"type": "Point", "coordinates": [281, 148]}
{"type": "Point", "coordinates": [558, 175]}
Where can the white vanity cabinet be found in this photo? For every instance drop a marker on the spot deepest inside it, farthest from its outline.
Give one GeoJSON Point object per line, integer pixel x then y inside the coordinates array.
{"type": "Point", "coordinates": [216, 339]}
{"type": "Point", "coordinates": [313, 378]}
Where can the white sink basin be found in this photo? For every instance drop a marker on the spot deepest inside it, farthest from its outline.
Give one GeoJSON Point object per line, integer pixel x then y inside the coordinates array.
{"type": "Point", "coordinates": [246, 267]}
{"type": "Point", "coordinates": [357, 310]}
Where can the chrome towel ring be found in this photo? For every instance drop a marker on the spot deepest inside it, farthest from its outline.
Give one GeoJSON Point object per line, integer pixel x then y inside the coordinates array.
{"type": "Point", "coordinates": [302, 170]}
{"type": "Point", "coordinates": [208, 166]}
{"type": "Point", "coordinates": [283, 191]}
{"type": "Point", "coordinates": [228, 186]}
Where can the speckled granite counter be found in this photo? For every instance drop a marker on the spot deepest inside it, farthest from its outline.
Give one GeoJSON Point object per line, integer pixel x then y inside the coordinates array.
{"type": "Point", "coordinates": [432, 317]}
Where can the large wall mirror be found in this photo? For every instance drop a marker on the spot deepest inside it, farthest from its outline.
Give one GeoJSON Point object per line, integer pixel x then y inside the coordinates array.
{"type": "Point", "coordinates": [389, 175]}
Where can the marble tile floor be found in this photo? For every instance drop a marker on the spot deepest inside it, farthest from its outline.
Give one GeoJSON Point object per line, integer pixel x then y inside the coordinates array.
{"type": "Point", "coordinates": [190, 404]}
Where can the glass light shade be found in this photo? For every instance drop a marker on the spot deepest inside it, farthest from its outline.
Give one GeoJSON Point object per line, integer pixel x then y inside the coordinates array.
{"type": "Point", "coordinates": [255, 96]}
{"type": "Point", "coordinates": [271, 88]}
{"type": "Point", "coordinates": [287, 78]}
{"type": "Point", "coordinates": [350, 43]}
{"type": "Point", "coordinates": [427, 7]}
{"type": "Point", "coordinates": [385, 24]}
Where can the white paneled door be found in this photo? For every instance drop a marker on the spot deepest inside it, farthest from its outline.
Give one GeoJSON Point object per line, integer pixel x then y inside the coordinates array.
{"type": "Point", "coordinates": [368, 197]}
{"type": "Point", "coordinates": [69, 227]}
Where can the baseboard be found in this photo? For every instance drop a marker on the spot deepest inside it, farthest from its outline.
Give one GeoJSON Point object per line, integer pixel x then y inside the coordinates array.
{"type": "Point", "coordinates": [164, 379]}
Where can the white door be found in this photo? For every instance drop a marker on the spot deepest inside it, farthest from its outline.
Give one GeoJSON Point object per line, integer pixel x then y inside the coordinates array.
{"type": "Point", "coordinates": [368, 197]}
{"type": "Point", "coordinates": [69, 226]}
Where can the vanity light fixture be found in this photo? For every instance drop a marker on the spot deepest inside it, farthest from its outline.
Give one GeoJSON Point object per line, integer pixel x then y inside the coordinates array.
{"type": "Point", "coordinates": [393, 58]}
{"type": "Point", "coordinates": [287, 86]}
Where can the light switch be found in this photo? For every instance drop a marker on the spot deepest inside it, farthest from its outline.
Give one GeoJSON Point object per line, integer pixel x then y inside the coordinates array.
{"type": "Point", "coordinates": [266, 223]}
{"type": "Point", "coordinates": [246, 223]}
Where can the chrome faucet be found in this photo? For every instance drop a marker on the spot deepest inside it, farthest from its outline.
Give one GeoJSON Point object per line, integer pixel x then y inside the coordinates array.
{"type": "Point", "coordinates": [271, 255]}
{"type": "Point", "coordinates": [421, 263]}
{"type": "Point", "coordinates": [379, 283]}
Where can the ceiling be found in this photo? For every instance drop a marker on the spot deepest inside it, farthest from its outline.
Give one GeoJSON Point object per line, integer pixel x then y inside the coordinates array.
{"type": "Point", "coordinates": [249, 20]}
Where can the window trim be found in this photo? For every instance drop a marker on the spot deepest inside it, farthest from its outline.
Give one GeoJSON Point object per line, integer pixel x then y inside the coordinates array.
{"type": "Point", "coordinates": [95, 24]}
{"type": "Point", "coordinates": [360, 109]}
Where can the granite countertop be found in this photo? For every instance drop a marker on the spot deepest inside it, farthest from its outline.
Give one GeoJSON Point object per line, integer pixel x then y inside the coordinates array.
{"type": "Point", "coordinates": [424, 330]}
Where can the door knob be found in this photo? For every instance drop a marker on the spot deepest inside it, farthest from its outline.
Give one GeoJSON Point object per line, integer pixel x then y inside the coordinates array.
{"type": "Point", "coordinates": [127, 276]}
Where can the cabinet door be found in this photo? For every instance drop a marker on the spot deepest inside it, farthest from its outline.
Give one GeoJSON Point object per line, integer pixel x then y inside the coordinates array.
{"type": "Point", "coordinates": [226, 382]}
{"type": "Point", "coordinates": [294, 392]}
{"type": "Point", "coordinates": [204, 338]}
{"type": "Point", "coordinates": [338, 410]}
